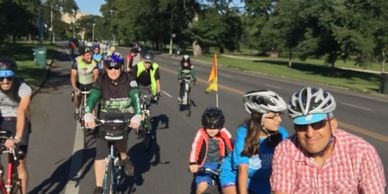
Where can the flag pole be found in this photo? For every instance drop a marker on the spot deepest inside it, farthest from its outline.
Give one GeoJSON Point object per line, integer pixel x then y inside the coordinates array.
{"type": "Point", "coordinates": [217, 81]}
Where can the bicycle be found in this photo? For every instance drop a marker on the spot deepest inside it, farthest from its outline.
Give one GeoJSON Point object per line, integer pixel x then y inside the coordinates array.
{"type": "Point", "coordinates": [144, 130]}
{"type": "Point", "coordinates": [186, 102]}
{"type": "Point", "coordinates": [114, 130]}
{"type": "Point", "coordinates": [81, 116]}
{"type": "Point", "coordinates": [13, 184]}
{"type": "Point", "coordinates": [214, 187]}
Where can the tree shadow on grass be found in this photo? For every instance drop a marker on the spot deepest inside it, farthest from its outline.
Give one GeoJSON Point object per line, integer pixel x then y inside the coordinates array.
{"type": "Point", "coordinates": [326, 71]}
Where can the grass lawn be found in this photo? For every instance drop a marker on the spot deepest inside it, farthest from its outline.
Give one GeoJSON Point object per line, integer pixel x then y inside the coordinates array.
{"type": "Point", "coordinates": [22, 53]}
{"type": "Point", "coordinates": [314, 71]}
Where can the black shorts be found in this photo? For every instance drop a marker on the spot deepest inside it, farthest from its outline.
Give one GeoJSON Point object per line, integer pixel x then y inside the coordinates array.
{"type": "Point", "coordinates": [84, 87]}
{"type": "Point", "coordinates": [9, 124]}
{"type": "Point", "coordinates": [102, 149]}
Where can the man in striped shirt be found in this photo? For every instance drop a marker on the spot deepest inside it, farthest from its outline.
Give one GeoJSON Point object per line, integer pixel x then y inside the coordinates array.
{"type": "Point", "coordinates": [319, 158]}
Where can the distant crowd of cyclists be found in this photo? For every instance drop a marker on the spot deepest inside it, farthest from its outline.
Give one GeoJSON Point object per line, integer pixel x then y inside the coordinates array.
{"type": "Point", "coordinates": [263, 158]}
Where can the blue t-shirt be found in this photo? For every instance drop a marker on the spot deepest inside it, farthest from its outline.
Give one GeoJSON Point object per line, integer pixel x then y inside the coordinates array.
{"type": "Point", "coordinates": [260, 165]}
{"type": "Point", "coordinates": [98, 57]}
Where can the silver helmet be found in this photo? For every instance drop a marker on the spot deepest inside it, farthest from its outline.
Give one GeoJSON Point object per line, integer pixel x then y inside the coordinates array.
{"type": "Point", "coordinates": [263, 101]}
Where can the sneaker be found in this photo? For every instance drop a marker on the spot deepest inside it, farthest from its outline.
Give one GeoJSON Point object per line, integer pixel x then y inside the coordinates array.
{"type": "Point", "coordinates": [127, 167]}
{"type": "Point", "coordinates": [98, 190]}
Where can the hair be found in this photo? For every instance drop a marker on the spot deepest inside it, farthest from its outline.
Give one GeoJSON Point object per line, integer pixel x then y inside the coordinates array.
{"type": "Point", "coordinates": [252, 144]}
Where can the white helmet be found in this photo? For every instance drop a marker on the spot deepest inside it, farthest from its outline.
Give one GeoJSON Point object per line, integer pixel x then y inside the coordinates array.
{"type": "Point", "coordinates": [263, 101]}
{"type": "Point", "coordinates": [310, 105]}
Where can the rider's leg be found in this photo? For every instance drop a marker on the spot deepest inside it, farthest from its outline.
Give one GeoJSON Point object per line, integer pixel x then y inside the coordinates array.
{"type": "Point", "coordinates": [23, 174]}
{"type": "Point", "coordinates": [99, 162]}
{"type": "Point", "coordinates": [125, 161]}
{"type": "Point", "coordinates": [229, 190]}
{"type": "Point", "coordinates": [99, 170]}
{"type": "Point", "coordinates": [201, 187]}
{"type": "Point", "coordinates": [181, 91]}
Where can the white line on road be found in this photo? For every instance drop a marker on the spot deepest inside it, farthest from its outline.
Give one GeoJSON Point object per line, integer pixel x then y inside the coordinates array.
{"type": "Point", "coordinates": [273, 86]}
{"type": "Point", "coordinates": [355, 106]}
{"type": "Point", "coordinates": [76, 163]}
{"type": "Point", "coordinates": [226, 75]}
{"type": "Point", "coordinates": [167, 94]}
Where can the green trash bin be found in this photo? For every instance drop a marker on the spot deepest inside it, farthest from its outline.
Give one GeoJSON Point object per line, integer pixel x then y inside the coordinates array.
{"type": "Point", "coordinates": [384, 83]}
{"type": "Point", "coordinates": [40, 56]}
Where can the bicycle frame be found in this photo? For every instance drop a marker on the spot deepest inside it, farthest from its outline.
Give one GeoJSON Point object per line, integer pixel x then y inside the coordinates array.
{"type": "Point", "coordinates": [12, 180]}
{"type": "Point", "coordinates": [145, 128]}
{"type": "Point", "coordinates": [112, 163]}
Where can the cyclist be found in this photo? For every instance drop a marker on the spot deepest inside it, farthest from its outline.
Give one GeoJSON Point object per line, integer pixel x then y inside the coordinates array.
{"type": "Point", "coordinates": [148, 76]}
{"type": "Point", "coordinates": [319, 157]}
{"type": "Point", "coordinates": [249, 166]}
{"type": "Point", "coordinates": [211, 145]}
{"type": "Point", "coordinates": [83, 74]}
{"type": "Point", "coordinates": [186, 71]}
{"type": "Point", "coordinates": [118, 95]}
{"type": "Point", "coordinates": [15, 96]}
{"type": "Point", "coordinates": [113, 51]}
{"type": "Point", "coordinates": [132, 58]}
{"type": "Point", "coordinates": [97, 57]}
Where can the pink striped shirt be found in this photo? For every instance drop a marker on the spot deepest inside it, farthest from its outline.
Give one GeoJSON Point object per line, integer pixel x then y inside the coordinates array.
{"type": "Point", "coordinates": [352, 167]}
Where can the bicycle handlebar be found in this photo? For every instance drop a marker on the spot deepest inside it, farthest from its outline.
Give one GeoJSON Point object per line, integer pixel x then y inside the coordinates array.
{"type": "Point", "coordinates": [202, 170]}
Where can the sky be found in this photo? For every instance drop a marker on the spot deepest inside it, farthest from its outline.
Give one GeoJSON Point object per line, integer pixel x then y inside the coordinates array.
{"type": "Point", "coordinates": [90, 6]}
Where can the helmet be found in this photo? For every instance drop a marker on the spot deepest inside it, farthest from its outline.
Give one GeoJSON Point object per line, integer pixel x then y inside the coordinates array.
{"type": "Point", "coordinates": [263, 101]}
{"type": "Point", "coordinates": [213, 118]}
{"type": "Point", "coordinates": [83, 50]}
{"type": "Point", "coordinates": [148, 57]}
{"type": "Point", "coordinates": [7, 67]}
{"type": "Point", "coordinates": [310, 105]}
{"type": "Point", "coordinates": [133, 50]}
{"type": "Point", "coordinates": [186, 58]}
{"type": "Point", "coordinates": [96, 46]}
{"type": "Point", "coordinates": [113, 60]}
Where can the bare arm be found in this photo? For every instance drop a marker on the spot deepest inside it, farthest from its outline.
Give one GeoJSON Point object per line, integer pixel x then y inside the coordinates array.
{"type": "Point", "coordinates": [243, 178]}
{"type": "Point", "coordinates": [73, 79]}
{"type": "Point", "coordinates": [21, 115]}
{"type": "Point", "coordinates": [95, 74]}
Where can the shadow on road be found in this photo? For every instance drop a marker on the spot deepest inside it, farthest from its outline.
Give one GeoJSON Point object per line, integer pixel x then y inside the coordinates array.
{"type": "Point", "coordinates": [60, 177]}
{"type": "Point", "coordinates": [143, 160]}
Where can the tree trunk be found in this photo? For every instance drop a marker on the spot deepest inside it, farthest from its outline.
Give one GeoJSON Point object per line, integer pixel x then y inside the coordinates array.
{"type": "Point", "coordinates": [289, 57]}
{"type": "Point", "coordinates": [383, 61]}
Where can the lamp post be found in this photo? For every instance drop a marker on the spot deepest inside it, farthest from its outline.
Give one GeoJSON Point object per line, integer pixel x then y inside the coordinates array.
{"type": "Point", "coordinates": [93, 32]}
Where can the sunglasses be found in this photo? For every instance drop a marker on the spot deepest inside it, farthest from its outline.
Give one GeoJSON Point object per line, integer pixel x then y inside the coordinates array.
{"type": "Point", "coordinates": [117, 67]}
{"type": "Point", "coordinates": [316, 126]}
{"type": "Point", "coordinates": [7, 78]}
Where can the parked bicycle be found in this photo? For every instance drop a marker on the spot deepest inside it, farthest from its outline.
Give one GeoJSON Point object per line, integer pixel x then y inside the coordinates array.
{"type": "Point", "coordinates": [144, 130]}
{"type": "Point", "coordinates": [113, 130]}
{"type": "Point", "coordinates": [186, 102]}
{"type": "Point", "coordinates": [12, 183]}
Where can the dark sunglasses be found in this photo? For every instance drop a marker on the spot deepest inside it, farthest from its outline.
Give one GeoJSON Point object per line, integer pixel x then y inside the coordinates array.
{"type": "Point", "coordinates": [7, 78]}
{"type": "Point", "coordinates": [114, 67]}
{"type": "Point", "coordinates": [316, 126]}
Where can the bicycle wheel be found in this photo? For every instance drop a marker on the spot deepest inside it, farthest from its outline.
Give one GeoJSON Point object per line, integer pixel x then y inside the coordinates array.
{"type": "Point", "coordinates": [147, 137]}
{"type": "Point", "coordinates": [85, 132]}
{"type": "Point", "coordinates": [108, 184]}
{"type": "Point", "coordinates": [188, 105]}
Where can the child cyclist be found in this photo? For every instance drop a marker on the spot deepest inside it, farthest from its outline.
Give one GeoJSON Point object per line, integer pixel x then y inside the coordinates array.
{"type": "Point", "coordinates": [211, 145]}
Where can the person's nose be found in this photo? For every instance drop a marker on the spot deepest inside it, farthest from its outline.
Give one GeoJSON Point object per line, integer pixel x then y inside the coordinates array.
{"type": "Point", "coordinates": [309, 131]}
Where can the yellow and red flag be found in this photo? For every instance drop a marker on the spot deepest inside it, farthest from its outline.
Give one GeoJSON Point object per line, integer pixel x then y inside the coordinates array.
{"type": "Point", "coordinates": [213, 77]}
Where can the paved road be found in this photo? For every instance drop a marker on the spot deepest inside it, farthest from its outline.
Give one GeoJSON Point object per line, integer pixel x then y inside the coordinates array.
{"type": "Point", "coordinates": [58, 164]}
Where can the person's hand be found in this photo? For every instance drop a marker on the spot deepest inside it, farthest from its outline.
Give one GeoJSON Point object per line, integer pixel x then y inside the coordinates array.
{"type": "Point", "coordinates": [9, 143]}
{"type": "Point", "coordinates": [135, 122]}
{"type": "Point", "coordinates": [193, 168]}
{"type": "Point", "coordinates": [77, 91]}
{"type": "Point", "coordinates": [90, 122]}
{"type": "Point", "coordinates": [180, 81]}
{"type": "Point", "coordinates": [156, 97]}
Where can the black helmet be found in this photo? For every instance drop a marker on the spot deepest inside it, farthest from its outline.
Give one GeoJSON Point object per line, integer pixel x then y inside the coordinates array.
{"type": "Point", "coordinates": [7, 64]}
{"type": "Point", "coordinates": [213, 118]}
{"type": "Point", "coordinates": [148, 57]}
{"type": "Point", "coordinates": [82, 50]}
